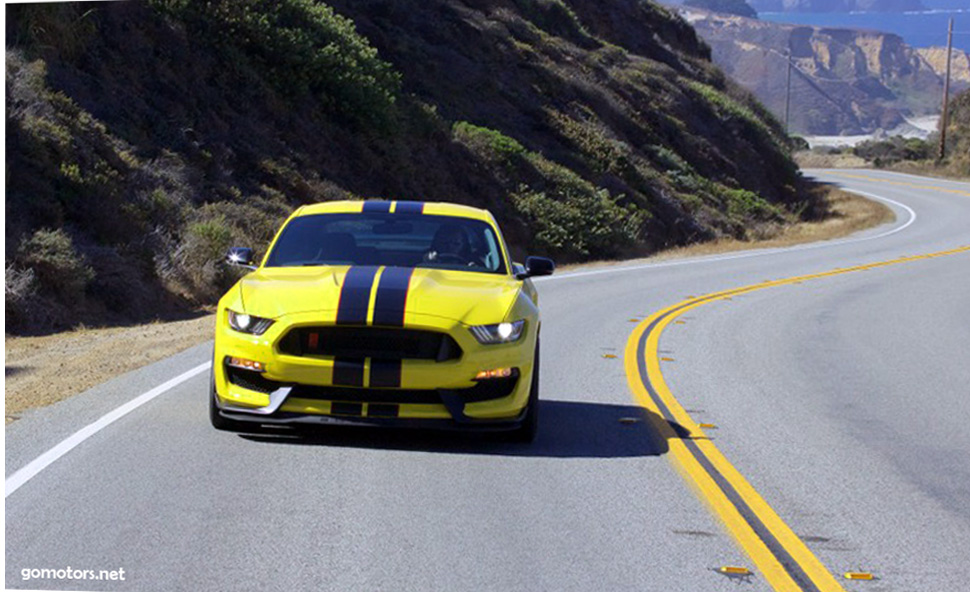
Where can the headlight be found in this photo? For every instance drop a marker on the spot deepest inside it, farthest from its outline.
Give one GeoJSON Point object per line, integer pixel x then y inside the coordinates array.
{"type": "Point", "coordinates": [245, 323]}
{"type": "Point", "coordinates": [499, 333]}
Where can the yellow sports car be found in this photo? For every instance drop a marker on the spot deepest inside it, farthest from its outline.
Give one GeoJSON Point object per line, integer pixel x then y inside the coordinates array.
{"type": "Point", "coordinates": [381, 313]}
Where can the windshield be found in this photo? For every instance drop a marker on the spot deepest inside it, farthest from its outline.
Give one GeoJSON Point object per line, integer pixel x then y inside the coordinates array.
{"type": "Point", "coordinates": [400, 240]}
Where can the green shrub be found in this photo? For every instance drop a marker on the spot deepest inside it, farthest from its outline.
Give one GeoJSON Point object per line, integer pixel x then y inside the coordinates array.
{"type": "Point", "coordinates": [487, 142]}
{"type": "Point", "coordinates": [199, 272]}
{"type": "Point", "coordinates": [571, 218]}
{"type": "Point", "coordinates": [727, 107]}
{"type": "Point", "coordinates": [196, 269]}
{"type": "Point", "coordinates": [893, 150]}
{"type": "Point", "coordinates": [669, 160]}
{"type": "Point", "coordinates": [556, 18]}
{"type": "Point", "coordinates": [577, 226]}
{"type": "Point", "coordinates": [298, 47]}
{"type": "Point", "coordinates": [592, 138]}
{"type": "Point", "coordinates": [744, 206]}
{"type": "Point", "coordinates": [211, 238]}
{"type": "Point", "coordinates": [59, 270]}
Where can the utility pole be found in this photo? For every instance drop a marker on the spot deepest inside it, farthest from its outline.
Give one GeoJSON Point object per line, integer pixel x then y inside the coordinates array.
{"type": "Point", "coordinates": [946, 91]}
{"type": "Point", "coordinates": [788, 90]}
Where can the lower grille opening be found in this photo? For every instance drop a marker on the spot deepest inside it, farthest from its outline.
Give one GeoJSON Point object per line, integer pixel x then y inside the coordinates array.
{"type": "Point", "coordinates": [379, 410]}
{"type": "Point", "coordinates": [365, 395]}
{"type": "Point", "coordinates": [352, 409]}
{"type": "Point", "coordinates": [250, 380]}
{"type": "Point", "coordinates": [485, 390]}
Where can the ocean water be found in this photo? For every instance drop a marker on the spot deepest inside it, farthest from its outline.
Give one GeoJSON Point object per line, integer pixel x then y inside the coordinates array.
{"type": "Point", "coordinates": [926, 28]}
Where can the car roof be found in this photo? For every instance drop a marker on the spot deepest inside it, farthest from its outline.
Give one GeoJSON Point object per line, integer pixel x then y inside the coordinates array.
{"type": "Point", "coordinates": [431, 208]}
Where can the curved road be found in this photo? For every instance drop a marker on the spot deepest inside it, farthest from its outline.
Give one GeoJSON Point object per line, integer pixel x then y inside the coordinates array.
{"type": "Point", "coordinates": [843, 400]}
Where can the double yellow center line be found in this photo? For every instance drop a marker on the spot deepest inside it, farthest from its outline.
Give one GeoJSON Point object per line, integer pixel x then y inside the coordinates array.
{"type": "Point", "coordinates": [902, 183]}
{"type": "Point", "coordinates": [778, 553]}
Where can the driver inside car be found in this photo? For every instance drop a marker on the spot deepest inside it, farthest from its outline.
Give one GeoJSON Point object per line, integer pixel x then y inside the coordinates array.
{"type": "Point", "coordinates": [450, 245]}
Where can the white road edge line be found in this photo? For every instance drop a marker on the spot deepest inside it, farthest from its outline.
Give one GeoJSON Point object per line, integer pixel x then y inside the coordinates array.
{"type": "Point", "coordinates": [692, 261]}
{"type": "Point", "coordinates": [15, 481]}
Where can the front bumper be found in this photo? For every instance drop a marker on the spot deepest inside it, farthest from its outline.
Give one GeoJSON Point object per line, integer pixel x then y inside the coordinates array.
{"type": "Point", "coordinates": [300, 419]}
{"type": "Point", "coordinates": [297, 389]}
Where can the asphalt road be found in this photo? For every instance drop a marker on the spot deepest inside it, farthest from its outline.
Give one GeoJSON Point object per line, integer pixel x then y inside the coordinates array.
{"type": "Point", "coordinates": [845, 401]}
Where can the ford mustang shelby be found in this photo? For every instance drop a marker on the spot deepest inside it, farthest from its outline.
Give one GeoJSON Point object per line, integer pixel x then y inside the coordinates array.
{"type": "Point", "coordinates": [381, 313]}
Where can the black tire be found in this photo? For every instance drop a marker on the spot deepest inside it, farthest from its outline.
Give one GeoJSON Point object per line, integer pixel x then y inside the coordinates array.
{"type": "Point", "coordinates": [219, 422]}
{"type": "Point", "coordinates": [526, 433]}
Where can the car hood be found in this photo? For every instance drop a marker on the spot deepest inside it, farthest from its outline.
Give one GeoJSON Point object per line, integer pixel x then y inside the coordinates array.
{"type": "Point", "coordinates": [469, 297]}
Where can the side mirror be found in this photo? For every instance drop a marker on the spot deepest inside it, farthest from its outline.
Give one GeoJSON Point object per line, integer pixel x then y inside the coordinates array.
{"type": "Point", "coordinates": [536, 266]}
{"type": "Point", "coordinates": [240, 256]}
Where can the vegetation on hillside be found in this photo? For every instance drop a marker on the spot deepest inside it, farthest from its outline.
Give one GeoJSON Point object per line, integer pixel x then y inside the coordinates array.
{"type": "Point", "coordinates": [914, 154]}
{"type": "Point", "coordinates": [958, 135]}
{"type": "Point", "coordinates": [882, 153]}
{"type": "Point", "coordinates": [143, 138]}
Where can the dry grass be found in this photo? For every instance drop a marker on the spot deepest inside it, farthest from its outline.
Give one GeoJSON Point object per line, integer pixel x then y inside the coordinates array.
{"type": "Point", "coordinates": [956, 170]}
{"type": "Point", "coordinates": [928, 168]}
{"type": "Point", "coordinates": [849, 213]}
{"type": "Point", "coordinates": [40, 371]}
{"type": "Point", "coordinates": [808, 159]}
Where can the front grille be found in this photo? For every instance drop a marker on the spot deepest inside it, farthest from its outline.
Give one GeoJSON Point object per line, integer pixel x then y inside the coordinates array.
{"type": "Point", "coordinates": [370, 342]}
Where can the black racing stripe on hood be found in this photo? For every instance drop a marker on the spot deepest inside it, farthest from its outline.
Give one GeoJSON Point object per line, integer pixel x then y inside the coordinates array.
{"type": "Point", "coordinates": [409, 207]}
{"type": "Point", "coordinates": [392, 296]}
{"type": "Point", "coordinates": [355, 295]}
{"type": "Point", "coordinates": [377, 206]}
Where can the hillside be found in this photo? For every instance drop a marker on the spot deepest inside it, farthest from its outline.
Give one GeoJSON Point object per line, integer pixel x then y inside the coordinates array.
{"type": "Point", "coordinates": [143, 138]}
{"type": "Point", "coordinates": [846, 81]}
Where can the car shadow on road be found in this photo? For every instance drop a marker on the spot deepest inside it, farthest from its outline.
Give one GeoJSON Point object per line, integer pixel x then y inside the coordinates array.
{"type": "Point", "coordinates": [567, 429]}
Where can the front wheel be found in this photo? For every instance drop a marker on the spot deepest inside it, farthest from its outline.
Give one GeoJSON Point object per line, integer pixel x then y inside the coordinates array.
{"type": "Point", "coordinates": [526, 433]}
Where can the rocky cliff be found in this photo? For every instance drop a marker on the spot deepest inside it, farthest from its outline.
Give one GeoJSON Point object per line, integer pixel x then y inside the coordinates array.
{"type": "Point", "coordinates": [843, 82]}
{"type": "Point", "coordinates": [935, 58]}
